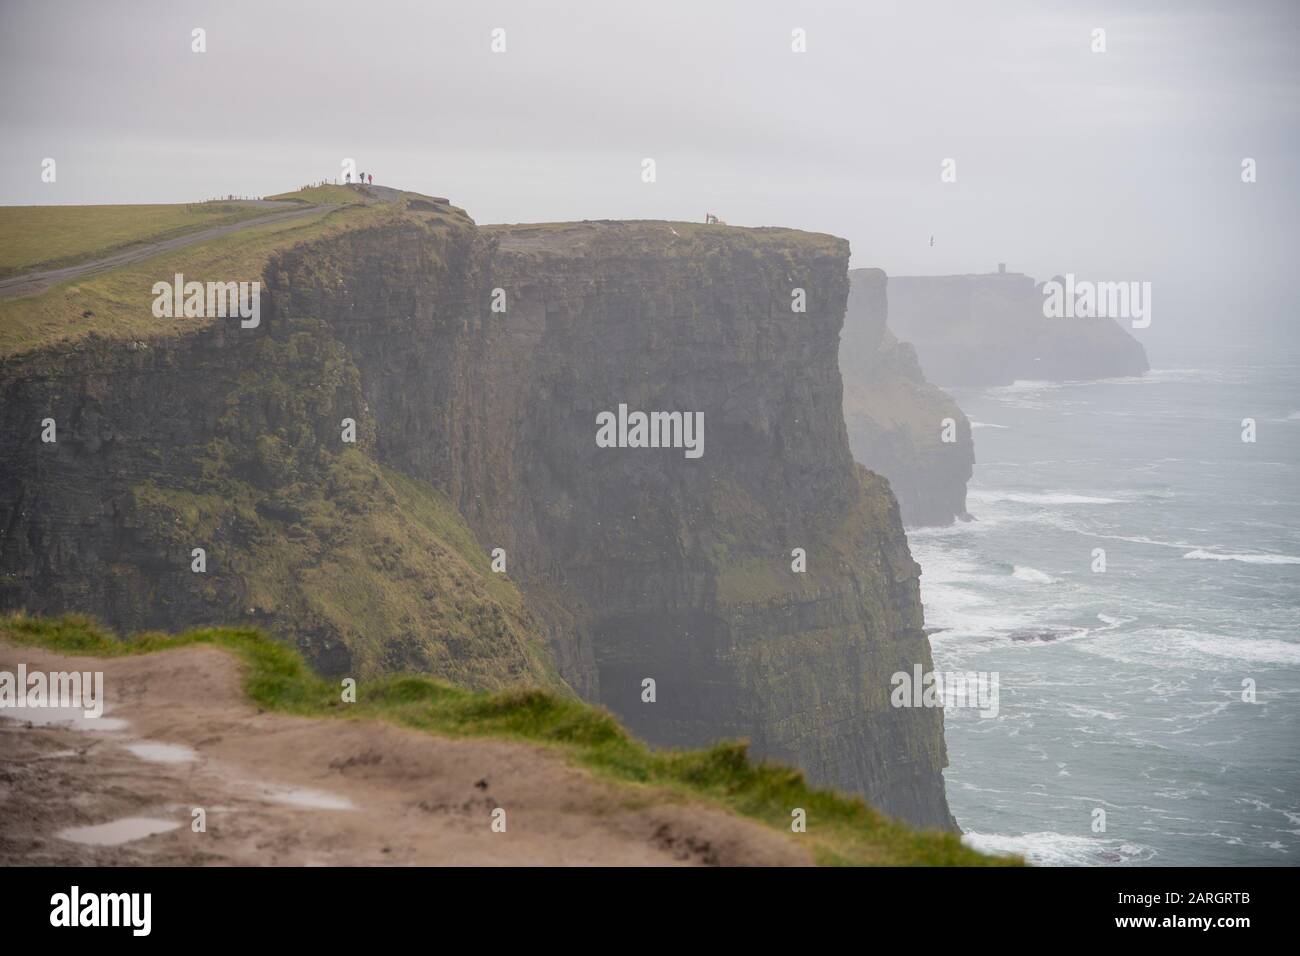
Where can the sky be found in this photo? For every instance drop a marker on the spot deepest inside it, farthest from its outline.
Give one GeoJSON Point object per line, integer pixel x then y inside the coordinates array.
{"type": "Point", "coordinates": [1115, 165]}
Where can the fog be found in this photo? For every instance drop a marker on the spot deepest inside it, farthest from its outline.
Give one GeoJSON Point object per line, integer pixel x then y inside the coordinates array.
{"type": "Point", "coordinates": [1122, 165]}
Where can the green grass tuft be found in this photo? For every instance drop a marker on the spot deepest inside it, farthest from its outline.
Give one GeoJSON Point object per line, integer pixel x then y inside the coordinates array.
{"type": "Point", "coordinates": [842, 830]}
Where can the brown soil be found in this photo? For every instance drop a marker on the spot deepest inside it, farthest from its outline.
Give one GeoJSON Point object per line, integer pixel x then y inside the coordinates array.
{"type": "Point", "coordinates": [417, 799]}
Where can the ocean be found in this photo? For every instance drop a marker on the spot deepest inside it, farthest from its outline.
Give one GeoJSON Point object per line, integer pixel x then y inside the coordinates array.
{"type": "Point", "coordinates": [1122, 691]}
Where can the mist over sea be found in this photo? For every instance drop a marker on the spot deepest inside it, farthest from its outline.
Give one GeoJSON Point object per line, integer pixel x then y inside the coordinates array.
{"type": "Point", "coordinates": [1123, 690]}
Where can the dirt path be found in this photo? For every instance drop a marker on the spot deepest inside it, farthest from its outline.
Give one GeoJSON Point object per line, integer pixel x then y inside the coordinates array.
{"type": "Point", "coordinates": [282, 790]}
{"type": "Point", "coordinates": [33, 282]}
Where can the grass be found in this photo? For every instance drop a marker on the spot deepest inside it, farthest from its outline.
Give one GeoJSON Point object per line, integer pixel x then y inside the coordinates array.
{"type": "Point", "coordinates": [324, 194]}
{"type": "Point", "coordinates": [679, 238]}
{"type": "Point", "coordinates": [842, 830]}
{"type": "Point", "coordinates": [35, 238]}
{"type": "Point", "coordinates": [119, 303]}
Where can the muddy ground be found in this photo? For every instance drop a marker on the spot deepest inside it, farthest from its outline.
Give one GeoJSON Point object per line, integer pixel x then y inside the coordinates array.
{"type": "Point", "coordinates": [178, 734]}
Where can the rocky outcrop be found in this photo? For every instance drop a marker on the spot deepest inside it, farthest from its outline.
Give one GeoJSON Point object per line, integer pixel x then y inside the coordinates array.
{"type": "Point", "coordinates": [990, 330]}
{"type": "Point", "coordinates": [900, 425]}
{"type": "Point", "coordinates": [635, 564]}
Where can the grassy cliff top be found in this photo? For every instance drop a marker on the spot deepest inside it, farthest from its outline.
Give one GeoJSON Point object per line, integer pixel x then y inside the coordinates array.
{"type": "Point", "coordinates": [355, 194]}
{"type": "Point", "coordinates": [328, 193]}
{"type": "Point", "coordinates": [34, 238]}
{"type": "Point", "coordinates": [841, 830]}
{"type": "Point", "coordinates": [124, 250]}
{"type": "Point", "coordinates": [599, 237]}
{"type": "Point", "coordinates": [90, 270]}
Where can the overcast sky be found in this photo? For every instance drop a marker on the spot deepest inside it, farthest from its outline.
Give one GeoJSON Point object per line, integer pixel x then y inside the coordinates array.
{"type": "Point", "coordinates": [1117, 165]}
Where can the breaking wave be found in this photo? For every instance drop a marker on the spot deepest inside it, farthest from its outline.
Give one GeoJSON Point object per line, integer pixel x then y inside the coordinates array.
{"type": "Point", "coordinates": [1200, 554]}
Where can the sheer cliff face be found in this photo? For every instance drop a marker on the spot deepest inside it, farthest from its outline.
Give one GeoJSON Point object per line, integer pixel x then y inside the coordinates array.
{"type": "Point", "coordinates": [990, 330]}
{"type": "Point", "coordinates": [683, 567]}
{"type": "Point", "coordinates": [897, 421]}
{"type": "Point", "coordinates": [634, 563]}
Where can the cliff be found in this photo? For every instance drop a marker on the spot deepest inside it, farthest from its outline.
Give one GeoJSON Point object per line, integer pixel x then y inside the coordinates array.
{"type": "Point", "coordinates": [896, 419]}
{"type": "Point", "coordinates": [476, 430]}
{"type": "Point", "coordinates": [990, 330]}
{"type": "Point", "coordinates": [230, 440]}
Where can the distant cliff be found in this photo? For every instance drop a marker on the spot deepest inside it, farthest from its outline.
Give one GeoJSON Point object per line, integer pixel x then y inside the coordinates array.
{"type": "Point", "coordinates": [474, 362]}
{"type": "Point", "coordinates": [990, 330]}
{"type": "Point", "coordinates": [897, 421]}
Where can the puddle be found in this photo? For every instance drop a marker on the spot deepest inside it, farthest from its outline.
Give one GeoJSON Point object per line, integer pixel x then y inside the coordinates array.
{"type": "Point", "coordinates": [162, 753]}
{"type": "Point", "coordinates": [74, 717]}
{"type": "Point", "coordinates": [304, 797]}
{"type": "Point", "coordinates": [118, 831]}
